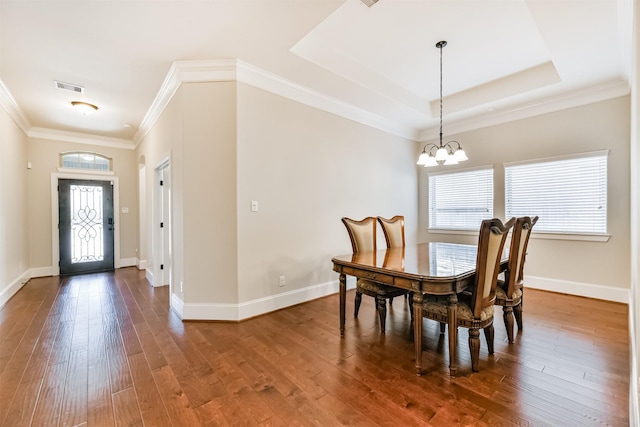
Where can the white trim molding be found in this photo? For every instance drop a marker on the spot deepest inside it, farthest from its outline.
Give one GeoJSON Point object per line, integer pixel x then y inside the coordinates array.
{"type": "Point", "coordinates": [141, 264]}
{"type": "Point", "coordinates": [148, 274]}
{"type": "Point", "coordinates": [226, 70]}
{"type": "Point", "coordinates": [128, 262]}
{"type": "Point", "coordinates": [177, 305]}
{"type": "Point", "coordinates": [607, 293]}
{"type": "Point", "coordinates": [80, 138]}
{"type": "Point", "coordinates": [12, 108]}
{"type": "Point", "coordinates": [14, 287]}
{"type": "Point", "coordinates": [248, 309]}
{"type": "Point", "coordinates": [42, 271]}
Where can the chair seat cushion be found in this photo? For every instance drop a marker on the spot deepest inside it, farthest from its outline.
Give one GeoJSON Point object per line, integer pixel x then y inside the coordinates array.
{"type": "Point", "coordinates": [439, 306]}
{"type": "Point", "coordinates": [374, 288]}
{"type": "Point", "coordinates": [502, 295]}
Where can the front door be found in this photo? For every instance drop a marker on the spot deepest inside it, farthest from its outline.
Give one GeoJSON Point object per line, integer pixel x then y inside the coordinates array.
{"type": "Point", "coordinates": [86, 226]}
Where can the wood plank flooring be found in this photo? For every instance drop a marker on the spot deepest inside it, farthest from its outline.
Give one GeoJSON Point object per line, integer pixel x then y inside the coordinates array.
{"type": "Point", "coordinates": [105, 350]}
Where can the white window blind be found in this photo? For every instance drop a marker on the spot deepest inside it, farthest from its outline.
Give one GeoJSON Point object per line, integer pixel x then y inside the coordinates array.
{"type": "Point", "coordinates": [460, 200]}
{"type": "Point", "coordinates": [569, 194]}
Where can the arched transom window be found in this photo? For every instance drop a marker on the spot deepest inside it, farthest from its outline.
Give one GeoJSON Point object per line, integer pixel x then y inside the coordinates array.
{"type": "Point", "coordinates": [85, 161]}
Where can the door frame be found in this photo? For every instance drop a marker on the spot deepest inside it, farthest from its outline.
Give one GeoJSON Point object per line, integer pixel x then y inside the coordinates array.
{"type": "Point", "coordinates": [55, 219]}
{"type": "Point", "coordinates": [162, 247]}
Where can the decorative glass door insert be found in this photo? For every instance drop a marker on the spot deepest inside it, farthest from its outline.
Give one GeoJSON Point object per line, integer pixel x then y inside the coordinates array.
{"type": "Point", "coordinates": [86, 226]}
{"type": "Point", "coordinates": [87, 239]}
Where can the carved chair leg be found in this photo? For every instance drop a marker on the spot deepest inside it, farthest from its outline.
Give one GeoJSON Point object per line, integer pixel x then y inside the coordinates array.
{"type": "Point", "coordinates": [382, 312]}
{"type": "Point", "coordinates": [489, 333]}
{"type": "Point", "coordinates": [517, 310]}
{"type": "Point", "coordinates": [357, 304]}
{"type": "Point", "coordinates": [443, 328]}
{"type": "Point", "coordinates": [474, 347]}
{"type": "Point", "coordinates": [507, 314]}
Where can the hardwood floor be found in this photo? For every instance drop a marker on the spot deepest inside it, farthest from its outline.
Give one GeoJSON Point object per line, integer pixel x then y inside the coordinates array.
{"type": "Point", "coordinates": [104, 350]}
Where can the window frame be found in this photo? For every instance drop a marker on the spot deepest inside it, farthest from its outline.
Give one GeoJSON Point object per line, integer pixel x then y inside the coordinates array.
{"type": "Point", "coordinates": [567, 235]}
{"type": "Point", "coordinates": [470, 229]}
{"type": "Point", "coordinates": [62, 168]}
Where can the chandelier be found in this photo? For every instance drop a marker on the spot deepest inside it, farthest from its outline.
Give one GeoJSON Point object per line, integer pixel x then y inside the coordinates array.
{"type": "Point", "coordinates": [450, 153]}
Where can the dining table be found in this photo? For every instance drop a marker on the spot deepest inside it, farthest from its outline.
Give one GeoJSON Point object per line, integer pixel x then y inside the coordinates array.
{"type": "Point", "coordinates": [433, 268]}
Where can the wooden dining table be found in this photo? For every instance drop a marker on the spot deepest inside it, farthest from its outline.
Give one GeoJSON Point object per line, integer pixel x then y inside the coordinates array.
{"type": "Point", "coordinates": [433, 268]}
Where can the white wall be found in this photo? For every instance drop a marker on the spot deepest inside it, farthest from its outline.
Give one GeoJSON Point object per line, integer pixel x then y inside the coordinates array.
{"type": "Point", "coordinates": [307, 169]}
{"type": "Point", "coordinates": [14, 232]}
{"type": "Point", "coordinates": [229, 144]}
{"type": "Point", "coordinates": [588, 268]}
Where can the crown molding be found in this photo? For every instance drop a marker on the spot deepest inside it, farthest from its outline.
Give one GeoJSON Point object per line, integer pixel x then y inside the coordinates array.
{"type": "Point", "coordinates": [236, 70]}
{"type": "Point", "coordinates": [80, 138]}
{"type": "Point", "coordinates": [589, 95]}
{"type": "Point", "coordinates": [13, 109]}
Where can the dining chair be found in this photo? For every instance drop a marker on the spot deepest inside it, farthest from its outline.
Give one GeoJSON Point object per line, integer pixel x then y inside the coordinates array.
{"type": "Point", "coordinates": [363, 239]}
{"type": "Point", "coordinates": [475, 309]}
{"type": "Point", "coordinates": [509, 293]}
{"type": "Point", "coordinates": [393, 229]}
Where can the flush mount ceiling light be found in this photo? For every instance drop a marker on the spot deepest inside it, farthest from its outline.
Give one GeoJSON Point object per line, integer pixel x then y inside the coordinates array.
{"type": "Point", "coordinates": [84, 107]}
{"type": "Point", "coordinates": [450, 153]}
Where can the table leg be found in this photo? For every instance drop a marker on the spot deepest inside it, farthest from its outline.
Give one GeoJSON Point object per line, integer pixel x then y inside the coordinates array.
{"type": "Point", "coordinates": [417, 330]}
{"type": "Point", "coordinates": [343, 301]}
{"type": "Point", "coordinates": [452, 313]}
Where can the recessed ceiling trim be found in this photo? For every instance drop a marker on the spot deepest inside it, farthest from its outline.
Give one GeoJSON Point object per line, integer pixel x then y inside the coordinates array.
{"type": "Point", "coordinates": [80, 138]}
{"type": "Point", "coordinates": [589, 95]}
{"type": "Point", "coordinates": [236, 70]}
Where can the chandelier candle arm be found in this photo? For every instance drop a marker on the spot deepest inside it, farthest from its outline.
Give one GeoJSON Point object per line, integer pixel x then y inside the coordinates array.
{"type": "Point", "coordinates": [447, 154]}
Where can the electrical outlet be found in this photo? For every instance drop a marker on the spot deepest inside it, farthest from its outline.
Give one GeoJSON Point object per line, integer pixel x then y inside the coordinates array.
{"type": "Point", "coordinates": [281, 281]}
{"type": "Point", "coordinates": [254, 206]}
{"type": "Point", "coordinates": [181, 291]}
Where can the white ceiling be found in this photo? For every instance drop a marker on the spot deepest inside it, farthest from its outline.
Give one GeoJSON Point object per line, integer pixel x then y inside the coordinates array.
{"type": "Point", "coordinates": [505, 59]}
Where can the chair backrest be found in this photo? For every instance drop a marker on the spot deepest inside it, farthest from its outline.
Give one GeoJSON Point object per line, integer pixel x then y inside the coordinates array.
{"type": "Point", "coordinates": [493, 234]}
{"type": "Point", "coordinates": [362, 234]}
{"type": "Point", "coordinates": [518, 252]}
{"type": "Point", "coordinates": [393, 230]}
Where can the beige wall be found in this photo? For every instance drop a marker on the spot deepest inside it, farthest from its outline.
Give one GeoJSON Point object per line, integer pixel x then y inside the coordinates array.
{"type": "Point", "coordinates": [197, 130]}
{"type": "Point", "coordinates": [603, 125]}
{"type": "Point", "coordinates": [14, 231]}
{"type": "Point", "coordinates": [44, 157]}
{"type": "Point", "coordinates": [307, 169]}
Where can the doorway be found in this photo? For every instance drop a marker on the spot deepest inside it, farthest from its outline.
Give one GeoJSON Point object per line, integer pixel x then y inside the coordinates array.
{"type": "Point", "coordinates": [86, 226]}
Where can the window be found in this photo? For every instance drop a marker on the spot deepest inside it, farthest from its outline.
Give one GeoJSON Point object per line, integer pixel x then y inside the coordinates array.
{"type": "Point", "coordinates": [460, 200]}
{"type": "Point", "coordinates": [569, 194]}
{"type": "Point", "coordinates": [85, 161]}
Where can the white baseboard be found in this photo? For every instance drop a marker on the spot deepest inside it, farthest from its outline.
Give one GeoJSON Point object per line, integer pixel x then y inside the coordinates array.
{"type": "Point", "coordinates": [607, 293]}
{"type": "Point", "coordinates": [141, 264]}
{"type": "Point", "coordinates": [14, 287]}
{"type": "Point", "coordinates": [128, 262]}
{"type": "Point", "coordinates": [245, 310]}
{"type": "Point", "coordinates": [177, 305]}
{"type": "Point", "coordinates": [149, 276]}
{"type": "Point", "coordinates": [42, 272]}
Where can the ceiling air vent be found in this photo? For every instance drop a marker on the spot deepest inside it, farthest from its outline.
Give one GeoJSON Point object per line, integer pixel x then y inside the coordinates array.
{"type": "Point", "coordinates": [69, 86]}
{"type": "Point", "coordinates": [369, 3]}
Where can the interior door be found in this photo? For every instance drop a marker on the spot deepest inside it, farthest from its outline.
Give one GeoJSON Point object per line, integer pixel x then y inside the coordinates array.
{"type": "Point", "coordinates": [86, 226]}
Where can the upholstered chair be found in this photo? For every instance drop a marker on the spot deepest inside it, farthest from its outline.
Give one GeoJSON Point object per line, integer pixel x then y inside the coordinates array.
{"type": "Point", "coordinates": [509, 293]}
{"type": "Point", "coordinates": [475, 308]}
{"type": "Point", "coordinates": [363, 239]}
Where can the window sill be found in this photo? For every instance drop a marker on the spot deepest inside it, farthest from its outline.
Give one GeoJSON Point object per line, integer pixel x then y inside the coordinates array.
{"type": "Point", "coordinates": [545, 236]}
{"type": "Point", "coordinates": [567, 236]}
{"type": "Point", "coordinates": [458, 232]}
